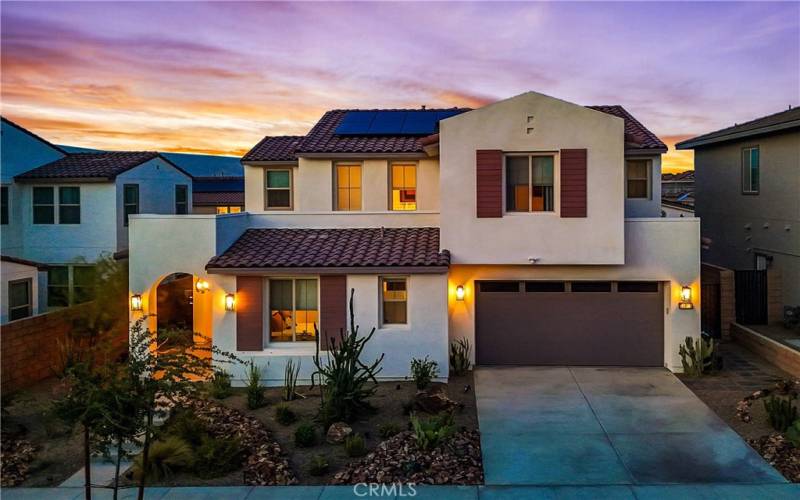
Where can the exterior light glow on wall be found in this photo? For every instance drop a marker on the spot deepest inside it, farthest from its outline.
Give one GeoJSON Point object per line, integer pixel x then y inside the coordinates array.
{"type": "Point", "coordinates": [201, 286]}
{"type": "Point", "coordinates": [136, 302]}
{"type": "Point", "coordinates": [230, 302]}
{"type": "Point", "coordinates": [460, 292]}
{"type": "Point", "coordinates": [686, 298]}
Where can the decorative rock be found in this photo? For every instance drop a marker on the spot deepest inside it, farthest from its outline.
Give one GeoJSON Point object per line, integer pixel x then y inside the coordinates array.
{"type": "Point", "coordinates": [16, 456]}
{"type": "Point", "coordinates": [433, 400]}
{"type": "Point", "coordinates": [338, 432]}
{"type": "Point", "coordinates": [780, 454]}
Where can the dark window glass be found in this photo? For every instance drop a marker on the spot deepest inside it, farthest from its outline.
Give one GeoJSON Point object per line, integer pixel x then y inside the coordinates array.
{"type": "Point", "coordinates": [82, 284]}
{"type": "Point", "coordinates": [544, 286]}
{"type": "Point", "coordinates": [43, 206]}
{"type": "Point", "coordinates": [750, 170]}
{"type": "Point", "coordinates": [499, 286]}
{"type": "Point", "coordinates": [69, 205]}
{"type": "Point", "coordinates": [130, 200]}
{"type": "Point", "coordinates": [591, 286]}
{"type": "Point", "coordinates": [181, 199]}
{"type": "Point", "coordinates": [638, 286]}
{"type": "Point", "coordinates": [278, 198]}
{"type": "Point", "coordinates": [20, 304]}
{"type": "Point", "coordinates": [394, 296]}
{"type": "Point", "coordinates": [4, 205]}
{"type": "Point", "coordinates": [58, 286]}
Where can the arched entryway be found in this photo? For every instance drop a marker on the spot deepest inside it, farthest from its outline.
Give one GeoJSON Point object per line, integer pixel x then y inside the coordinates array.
{"type": "Point", "coordinates": [175, 309]}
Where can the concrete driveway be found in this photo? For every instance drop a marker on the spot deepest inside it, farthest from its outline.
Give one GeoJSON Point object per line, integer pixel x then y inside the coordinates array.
{"type": "Point", "coordinates": [605, 426]}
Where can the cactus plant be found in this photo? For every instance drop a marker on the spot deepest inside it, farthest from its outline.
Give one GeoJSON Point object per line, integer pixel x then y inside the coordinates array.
{"type": "Point", "coordinates": [793, 433]}
{"type": "Point", "coordinates": [459, 356]}
{"type": "Point", "coordinates": [781, 412]}
{"type": "Point", "coordinates": [290, 380]}
{"type": "Point", "coordinates": [697, 357]}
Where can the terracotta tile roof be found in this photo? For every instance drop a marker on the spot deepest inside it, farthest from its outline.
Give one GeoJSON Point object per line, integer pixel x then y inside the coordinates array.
{"type": "Point", "coordinates": [321, 248]}
{"type": "Point", "coordinates": [777, 121]}
{"type": "Point", "coordinates": [218, 198]}
{"type": "Point", "coordinates": [274, 148]}
{"type": "Point", "coordinates": [321, 138]}
{"type": "Point", "coordinates": [637, 136]}
{"type": "Point", "coordinates": [105, 165]}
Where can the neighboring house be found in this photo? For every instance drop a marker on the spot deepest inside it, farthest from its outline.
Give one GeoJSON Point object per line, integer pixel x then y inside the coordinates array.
{"type": "Point", "coordinates": [20, 288]}
{"type": "Point", "coordinates": [748, 196]}
{"type": "Point", "coordinates": [675, 185]}
{"type": "Point", "coordinates": [530, 227]}
{"type": "Point", "coordinates": [67, 209]}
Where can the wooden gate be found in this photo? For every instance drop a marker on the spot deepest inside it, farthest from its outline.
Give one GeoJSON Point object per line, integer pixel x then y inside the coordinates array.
{"type": "Point", "coordinates": [751, 297]}
{"type": "Point", "coordinates": [710, 317]}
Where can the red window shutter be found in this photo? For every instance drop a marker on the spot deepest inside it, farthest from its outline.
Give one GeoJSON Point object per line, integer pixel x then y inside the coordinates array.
{"type": "Point", "coordinates": [489, 182]}
{"type": "Point", "coordinates": [573, 183]}
{"type": "Point", "coordinates": [332, 307]}
{"type": "Point", "coordinates": [249, 313]}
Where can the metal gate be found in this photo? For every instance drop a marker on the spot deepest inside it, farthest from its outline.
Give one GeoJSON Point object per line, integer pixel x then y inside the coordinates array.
{"type": "Point", "coordinates": [751, 297]}
{"type": "Point", "coordinates": [710, 317]}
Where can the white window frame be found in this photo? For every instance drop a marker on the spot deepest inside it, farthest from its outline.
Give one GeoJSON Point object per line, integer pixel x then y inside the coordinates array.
{"type": "Point", "coordinates": [648, 179]}
{"type": "Point", "coordinates": [392, 164]}
{"type": "Point", "coordinates": [381, 321]}
{"type": "Point", "coordinates": [60, 204]}
{"type": "Point", "coordinates": [336, 166]}
{"type": "Point", "coordinates": [749, 188]}
{"type": "Point", "coordinates": [29, 306]}
{"type": "Point", "coordinates": [125, 218]}
{"type": "Point", "coordinates": [294, 343]}
{"type": "Point", "coordinates": [556, 183]}
{"type": "Point", "coordinates": [70, 286]}
{"type": "Point", "coordinates": [52, 206]}
{"type": "Point", "coordinates": [185, 202]}
{"type": "Point", "coordinates": [267, 189]}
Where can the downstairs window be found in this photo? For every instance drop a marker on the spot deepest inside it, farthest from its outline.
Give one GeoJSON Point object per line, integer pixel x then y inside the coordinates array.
{"type": "Point", "coordinates": [293, 310]}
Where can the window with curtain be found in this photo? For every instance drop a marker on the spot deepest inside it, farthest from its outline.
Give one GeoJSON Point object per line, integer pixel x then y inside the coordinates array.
{"type": "Point", "coordinates": [20, 303]}
{"type": "Point", "coordinates": [404, 187]}
{"type": "Point", "coordinates": [130, 200]}
{"type": "Point", "coordinates": [348, 187]}
{"type": "Point", "coordinates": [181, 199]}
{"type": "Point", "coordinates": [530, 181]}
{"type": "Point", "coordinates": [751, 170]}
{"type": "Point", "coordinates": [394, 301]}
{"type": "Point", "coordinates": [44, 206]}
{"type": "Point", "coordinates": [69, 205]}
{"type": "Point", "coordinates": [294, 310]}
{"type": "Point", "coordinates": [542, 196]}
{"type": "Point", "coordinates": [278, 189]}
{"type": "Point", "coordinates": [637, 179]}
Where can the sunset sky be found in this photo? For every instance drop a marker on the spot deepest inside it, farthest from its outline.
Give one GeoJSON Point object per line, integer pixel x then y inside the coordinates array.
{"type": "Point", "coordinates": [216, 77]}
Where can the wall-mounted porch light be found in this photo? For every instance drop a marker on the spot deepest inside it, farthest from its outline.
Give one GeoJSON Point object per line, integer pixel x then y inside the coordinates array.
{"type": "Point", "coordinates": [686, 298]}
{"type": "Point", "coordinates": [136, 302]}
{"type": "Point", "coordinates": [201, 286]}
{"type": "Point", "coordinates": [230, 302]}
{"type": "Point", "coordinates": [460, 292]}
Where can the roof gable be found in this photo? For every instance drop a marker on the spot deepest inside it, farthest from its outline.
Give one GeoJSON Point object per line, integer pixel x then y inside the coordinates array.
{"type": "Point", "coordinates": [104, 166]}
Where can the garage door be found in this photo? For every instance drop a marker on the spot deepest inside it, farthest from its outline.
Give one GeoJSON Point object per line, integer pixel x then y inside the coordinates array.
{"type": "Point", "coordinates": [569, 323]}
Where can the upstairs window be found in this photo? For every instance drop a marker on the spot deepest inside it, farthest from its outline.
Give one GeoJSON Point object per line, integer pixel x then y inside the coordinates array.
{"type": "Point", "coordinates": [181, 199]}
{"type": "Point", "coordinates": [4, 205]}
{"type": "Point", "coordinates": [530, 183]}
{"type": "Point", "coordinates": [279, 189]}
{"type": "Point", "coordinates": [348, 187]}
{"type": "Point", "coordinates": [404, 187]}
{"type": "Point", "coordinates": [69, 205]}
{"type": "Point", "coordinates": [44, 207]}
{"type": "Point", "coordinates": [20, 304]}
{"type": "Point", "coordinates": [637, 179]}
{"type": "Point", "coordinates": [229, 209]}
{"type": "Point", "coordinates": [130, 200]}
{"type": "Point", "coordinates": [751, 169]}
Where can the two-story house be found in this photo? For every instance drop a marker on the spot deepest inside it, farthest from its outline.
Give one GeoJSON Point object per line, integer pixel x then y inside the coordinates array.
{"type": "Point", "coordinates": [747, 181]}
{"type": "Point", "coordinates": [66, 209]}
{"type": "Point", "coordinates": [530, 227]}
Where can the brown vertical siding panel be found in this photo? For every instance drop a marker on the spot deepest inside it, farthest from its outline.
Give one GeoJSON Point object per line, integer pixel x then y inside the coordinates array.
{"type": "Point", "coordinates": [332, 307]}
{"type": "Point", "coordinates": [573, 183]}
{"type": "Point", "coordinates": [249, 313]}
{"type": "Point", "coordinates": [489, 181]}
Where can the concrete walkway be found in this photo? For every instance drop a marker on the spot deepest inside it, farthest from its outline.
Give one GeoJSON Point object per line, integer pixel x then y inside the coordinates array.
{"type": "Point", "coordinates": [559, 426]}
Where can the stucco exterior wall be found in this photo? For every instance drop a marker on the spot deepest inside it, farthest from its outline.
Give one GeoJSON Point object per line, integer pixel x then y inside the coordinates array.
{"type": "Point", "coordinates": [12, 271]}
{"type": "Point", "coordinates": [21, 152]}
{"type": "Point", "coordinates": [650, 207]}
{"type": "Point", "coordinates": [512, 239]}
{"type": "Point", "coordinates": [741, 225]}
{"type": "Point", "coordinates": [666, 250]}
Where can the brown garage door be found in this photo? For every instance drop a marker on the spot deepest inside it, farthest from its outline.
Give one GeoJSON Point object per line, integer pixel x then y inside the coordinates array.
{"type": "Point", "coordinates": [578, 323]}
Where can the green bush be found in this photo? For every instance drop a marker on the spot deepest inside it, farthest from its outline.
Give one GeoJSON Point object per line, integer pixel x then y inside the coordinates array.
{"type": "Point", "coordinates": [305, 435]}
{"type": "Point", "coordinates": [459, 356]}
{"type": "Point", "coordinates": [318, 465]}
{"type": "Point", "coordinates": [166, 457]}
{"type": "Point", "coordinates": [220, 385]}
{"type": "Point", "coordinates": [781, 413]}
{"type": "Point", "coordinates": [389, 429]}
{"type": "Point", "coordinates": [430, 433]}
{"type": "Point", "coordinates": [255, 392]}
{"type": "Point", "coordinates": [793, 433]}
{"type": "Point", "coordinates": [185, 425]}
{"type": "Point", "coordinates": [284, 415]}
{"type": "Point", "coordinates": [423, 371]}
{"type": "Point", "coordinates": [216, 457]}
{"type": "Point", "coordinates": [354, 446]}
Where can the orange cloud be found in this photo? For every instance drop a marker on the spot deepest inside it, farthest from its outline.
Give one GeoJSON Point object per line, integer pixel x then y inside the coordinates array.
{"type": "Point", "coordinates": [674, 160]}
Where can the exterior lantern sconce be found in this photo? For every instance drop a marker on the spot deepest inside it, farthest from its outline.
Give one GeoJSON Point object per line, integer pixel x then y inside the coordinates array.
{"type": "Point", "coordinates": [201, 286]}
{"type": "Point", "coordinates": [686, 298]}
{"type": "Point", "coordinates": [136, 302]}
{"type": "Point", "coordinates": [460, 292]}
{"type": "Point", "coordinates": [230, 302]}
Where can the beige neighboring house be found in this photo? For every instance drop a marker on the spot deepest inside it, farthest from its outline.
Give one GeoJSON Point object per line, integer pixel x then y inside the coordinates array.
{"type": "Point", "coordinates": [20, 288]}
{"type": "Point", "coordinates": [747, 182]}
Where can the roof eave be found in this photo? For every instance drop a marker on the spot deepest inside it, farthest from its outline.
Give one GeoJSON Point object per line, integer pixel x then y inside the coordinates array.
{"type": "Point", "coordinates": [700, 141]}
{"type": "Point", "coordinates": [644, 151]}
{"type": "Point", "coordinates": [272, 271]}
{"type": "Point", "coordinates": [268, 163]}
{"type": "Point", "coordinates": [63, 180]}
{"type": "Point", "coordinates": [351, 156]}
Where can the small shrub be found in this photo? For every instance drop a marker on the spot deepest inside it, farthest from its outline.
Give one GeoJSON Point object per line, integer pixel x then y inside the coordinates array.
{"type": "Point", "coordinates": [305, 435]}
{"type": "Point", "coordinates": [255, 392]}
{"type": "Point", "coordinates": [220, 385]}
{"type": "Point", "coordinates": [388, 429]}
{"type": "Point", "coordinates": [166, 457]}
{"type": "Point", "coordinates": [793, 433]}
{"type": "Point", "coordinates": [186, 426]}
{"type": "Point", "coordinates": [284, 415]}
{"type": "Point", "coordinates": [408, 407]}
{"type": "Point", "coordinates": [429, 433]}
{"type": "Point", "coordinates": [318, 465]}
{"type": "Point", "coordinates": [423, 371]}
{"type": "Point", "coordinates": [290, 380]}
{"type": "Point", "coordinates": [216, 457]}
{"type": "Point", "coordinates": [354, 446]}
{"type": "Point", "coordinates": [781, 413]}
{"type": "Point", "coordinates": [460, 350]}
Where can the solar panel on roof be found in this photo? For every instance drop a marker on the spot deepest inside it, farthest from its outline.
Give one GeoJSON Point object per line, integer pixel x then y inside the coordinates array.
{"type": "Point", "coordinates": [391, 122]}
{"type": "Point", "coordinates": [419, 123]}
{"type": "Point", "coordinates": [355, 123]}
{"type": "Point", "coordinates": [387, 122]}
